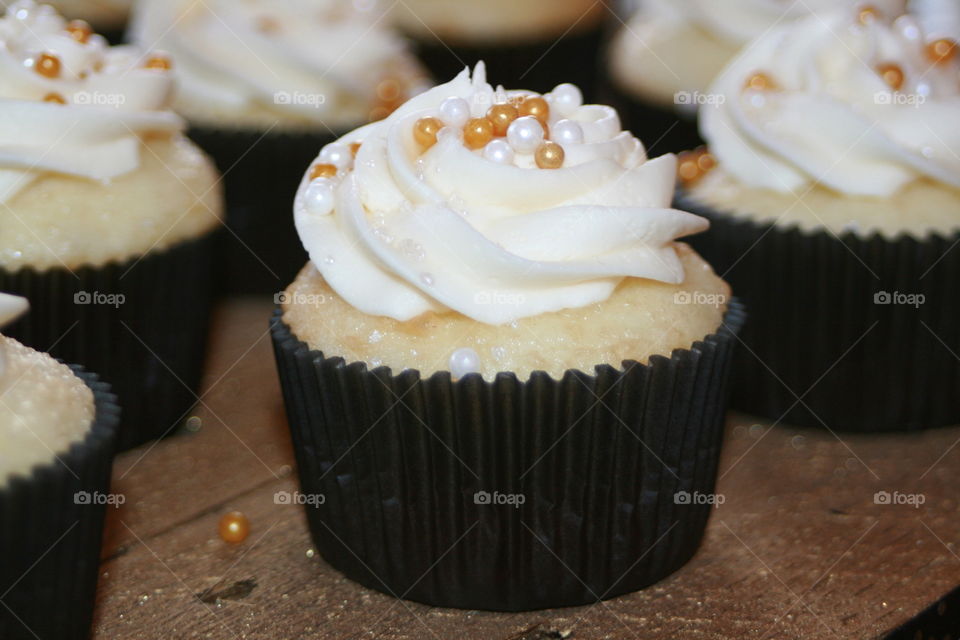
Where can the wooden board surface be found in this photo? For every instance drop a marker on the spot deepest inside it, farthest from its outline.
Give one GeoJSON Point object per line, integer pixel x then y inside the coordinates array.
{"type": "Point", "coordinates": [800, 548]}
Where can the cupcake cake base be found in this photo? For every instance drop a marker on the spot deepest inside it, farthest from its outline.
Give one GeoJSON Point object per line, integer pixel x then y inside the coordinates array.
{"type": "Point", "coordinates": [51, 524]}
{"type": "Point", "coordinates": [507, 495]}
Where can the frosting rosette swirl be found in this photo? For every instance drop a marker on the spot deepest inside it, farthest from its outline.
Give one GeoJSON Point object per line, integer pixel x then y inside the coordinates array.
{"type": "Point", "coordinates": [498, 205]}
{"type": "Point", "coordinates": [71, 104]}
{"type": "Point", "coordinates": [308, 62]}
{"type": "Point", "coordinates": [860, 104]}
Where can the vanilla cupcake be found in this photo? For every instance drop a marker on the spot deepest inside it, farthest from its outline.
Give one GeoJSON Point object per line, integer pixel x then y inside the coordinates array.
{"type": "Point", "coordinates": [665, 57]}
{"type": "Point", "coordinates": [495, 317]}
{"type": "Point", "coordinates": [107, 214]}
{"type": "Point", "coordinates": [263, 84]}
{"type": "Point", "coordinates": [833, 186]}
{"type": "Point", "coordinates": [57, 431]}
{"type": "Point", "coordinates": [534, 43]}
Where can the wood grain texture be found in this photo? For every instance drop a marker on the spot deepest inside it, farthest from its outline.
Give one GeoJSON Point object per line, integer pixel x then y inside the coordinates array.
{"type": "Point", "coordinates": [798, 549]}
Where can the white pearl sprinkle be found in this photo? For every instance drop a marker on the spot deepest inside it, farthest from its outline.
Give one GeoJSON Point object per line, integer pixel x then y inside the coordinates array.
{"type": "Point", "coordinates": [567, 132]}
{"type": "Point", "coordinates": [336, 154]}
{"type": "Point", "coordinates": [455, 111]}
{"type": "Point", "coordinates": [463, 362]}
{"type": "Point", "coordinates": [318, 198]}
{"type": "Point", "coordinates": [498, 151]}
{"type": "Point", "coordinates": [525, 134]}
{"type": "Point", "coordinates": [566, 98]}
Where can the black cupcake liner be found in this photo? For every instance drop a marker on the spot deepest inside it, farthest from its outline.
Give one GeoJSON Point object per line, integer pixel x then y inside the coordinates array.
{"type": "Point", "coordinates": [50, 531]}
{"type": "Point", "coordinates": [150, 347]}
{"type": "Point", "coordinates": [415, 474]}
{"type": "Point", "coordinates": [830, 324]}
{"type": "Point", "coordinates": [536, 66]}
{"type": "Point", "coordinates": [260, 252]}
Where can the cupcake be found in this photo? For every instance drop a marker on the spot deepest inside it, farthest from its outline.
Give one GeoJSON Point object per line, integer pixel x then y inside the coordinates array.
{"type": "Point", "coordinates": [665, 57]}
{"type": "Point", "coordinates": [833, 188]}
{"type": "Point", "coordinates": [263, 84]}
{"type": "Point", "coordinates": [108, 17]}
{"type": "Point", "coordinates": [108, 214]}
{"type": "Point", "coordinates": [534, 43]}
{"type": "Point", "coordinates": [504, 376]}
{"type": "Point", "coordinates": [57, 430]}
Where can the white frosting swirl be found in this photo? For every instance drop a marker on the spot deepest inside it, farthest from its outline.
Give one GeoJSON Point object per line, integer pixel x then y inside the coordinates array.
{"type": "Point", "coordinates": [403, 233]}
{"type": "Point", "coordinates": [832, 119]}
{"type": "Point", "coordinates": [315, 61]}
{"type": "Point", "coordinates": [110, 98]}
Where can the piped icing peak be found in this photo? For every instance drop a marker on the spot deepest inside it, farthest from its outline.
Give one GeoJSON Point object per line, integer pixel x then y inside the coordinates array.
{"type": "Point", "coordinates": [861, 102]}
{"type": "Point", "coordinates": [70, 103]}
{"type": "Point", "coordinates": [495, 204]}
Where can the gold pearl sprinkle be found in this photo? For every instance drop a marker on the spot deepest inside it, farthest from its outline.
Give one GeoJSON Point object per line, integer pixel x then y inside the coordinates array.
{"type": "Point", "coordinates": [323, 171]}
{"type": "Point", "coordinates": [160, 63]}
{"type": "Point", "coordinates": [425, 132]}
{"type": "Point", "coordinates": [388, 90]}
{"type": "Point", "coordinates": [500, 116]}
{"type": "Point", "coordinates": [760, 81]}
{"type": "Point", "coordinates": [79, 31]}
{"type": "Point", "coordinates": [477, 133]}
{"type": "Point", "coordinates": [354, 148]}
{"type": "Point", "coordinates": [549, 155]}
{"type": "Point", "coordinates": [892, 74]}
{"type": "Point", "coordinates": [268, 25]}
{"type": "Point", "coordinates": [942, 51]}
{"type": "Point", "coordinates": [693, 165]}
{"type": "Point", "coordinates": [537, 107]}
{"type": "Point", "coordinates": [47, 65]}
{"type": "Point", "coordinates": [55, 98]}
{"type": "Point", "coordinates": [868, 13]}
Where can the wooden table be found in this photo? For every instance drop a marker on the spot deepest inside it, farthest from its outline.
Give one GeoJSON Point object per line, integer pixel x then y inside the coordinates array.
{"type": "Point", "coordinates": [799, 549]}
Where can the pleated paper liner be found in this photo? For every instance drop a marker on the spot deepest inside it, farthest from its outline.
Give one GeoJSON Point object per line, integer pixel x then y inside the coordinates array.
{"type": "Point", "coordinates": [260, 251]}
{"type": "Point", "coordinates": [856, 334]}
{"type": "Point", "coordinates": [536, 66]}
{"type": "Point", "coordinates": [508, 495]}
{"type": "Point", "coordinates": [50, 531]}
{"type": "Point", "coordinates": [141, 325]}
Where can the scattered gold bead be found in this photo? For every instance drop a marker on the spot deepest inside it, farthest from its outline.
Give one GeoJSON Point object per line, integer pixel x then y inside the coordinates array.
{"type": "Point", "coordinates": [760, 81]}
{"type": "Point", "coordinates": [379, 112]}
{"type": "Point", "coordinates": [234, 527]}
{"type": "Point", "coordinates": [537, 107]}
{"type": "Point", "coordinates": [477, 133]}
{"type": "Point", "coordinates": [354, 148]}
{"type": "Point", "coordinates": [161, 63]}
{"type": "Point", "coordinates": [47, 65]}
{"type": "Point", "coordinates": [323, 171]}
{"type": "Point", "coordinates": [867, 14]}
{"type": "Point", "coordinates": [54, 97]}
{"type": "Point", "coordinates": [693, 165]}
{"type": "Point", "coordinates": [388, 90]}
{"type": "Point", "coordinates": [79, 31]}
{"type": "Point", "coordinates": [267, 24]}
{"type": "Point", "coordinates": [549, 155]}
{"type": "Point", "coordinates": [500, 116]}
{"type": "Point", "coordinates": [942, 51]}
{"type": "Point", "coordinates": [425, 132]}
{"type": "Point", "coordinates": [892, 74]}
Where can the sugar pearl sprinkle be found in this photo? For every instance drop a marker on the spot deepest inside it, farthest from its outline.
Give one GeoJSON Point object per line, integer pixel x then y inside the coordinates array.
{"type": "Point", "coordinates": [463, 362]}
{"type": "Point", "coordinates": [325, 175]}
{"type": "Point", "coordinates": [517, 126]}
